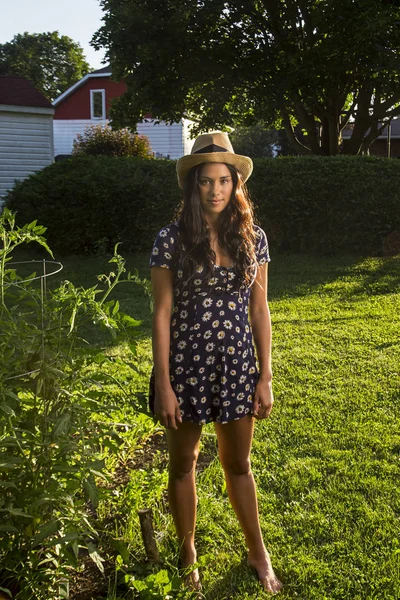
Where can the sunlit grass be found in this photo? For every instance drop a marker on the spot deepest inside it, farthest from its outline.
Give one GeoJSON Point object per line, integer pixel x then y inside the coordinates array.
{"type": "Point", "coordinates": [327, 462]}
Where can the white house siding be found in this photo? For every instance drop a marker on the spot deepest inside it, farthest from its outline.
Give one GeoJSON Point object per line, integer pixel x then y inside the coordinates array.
{"type": "Point", "coordinates": [26, 143]}
{"type": "Point", "coordinates": [187, 141]}
{"type": "Point", "coordinates": [165, 140]}
{"type": "Point", "coordinates": [66, 130]}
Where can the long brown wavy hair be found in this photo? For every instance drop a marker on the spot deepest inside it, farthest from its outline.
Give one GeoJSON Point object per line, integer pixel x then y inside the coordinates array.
{"type": "Point", "coordinates": [236, 233]}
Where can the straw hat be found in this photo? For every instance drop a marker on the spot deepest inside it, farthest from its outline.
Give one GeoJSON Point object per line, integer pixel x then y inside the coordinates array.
{"type": "Point", "coordinates": [213, 147]}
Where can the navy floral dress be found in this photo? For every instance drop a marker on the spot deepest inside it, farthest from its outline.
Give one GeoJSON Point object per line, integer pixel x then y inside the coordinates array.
{"type": "Point", "coordinates": [212, 364]}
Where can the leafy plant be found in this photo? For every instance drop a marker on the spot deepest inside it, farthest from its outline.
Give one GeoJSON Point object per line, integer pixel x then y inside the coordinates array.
{"type": "Point", "coordinates": [99, 140]}
{"type": "Point", "coordinates": [53, 433]}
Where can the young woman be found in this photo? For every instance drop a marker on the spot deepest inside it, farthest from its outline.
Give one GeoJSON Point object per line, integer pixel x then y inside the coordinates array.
{"type": "Point", "coordinates": [209, 276]}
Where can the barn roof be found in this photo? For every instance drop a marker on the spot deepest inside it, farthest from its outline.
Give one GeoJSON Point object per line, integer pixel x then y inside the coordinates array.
{"type": "Point", "coordinates": [19, 91]}
{"type": "Point", "coordinates": [104, 72]}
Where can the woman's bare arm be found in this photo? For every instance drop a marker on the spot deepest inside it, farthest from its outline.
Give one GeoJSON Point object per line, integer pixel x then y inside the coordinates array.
{"type": "Point", "coordinates": [260, 319]}
{"type": "Point", "coordinates": [166, 406]}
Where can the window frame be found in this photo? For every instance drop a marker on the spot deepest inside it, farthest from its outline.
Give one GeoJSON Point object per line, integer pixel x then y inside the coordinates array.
{"type": "Point", "coordinates": [103, 104]}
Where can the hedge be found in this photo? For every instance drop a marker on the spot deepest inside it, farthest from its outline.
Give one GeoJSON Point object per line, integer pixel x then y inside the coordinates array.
{"type": "Point", "coordinates": [305, 204]}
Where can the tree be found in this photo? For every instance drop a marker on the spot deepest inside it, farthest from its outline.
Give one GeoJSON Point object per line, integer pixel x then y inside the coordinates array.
{"type": "Point", "coordinates": [318, 64]}
{"type": "Point", "coordinates": [52, 62]}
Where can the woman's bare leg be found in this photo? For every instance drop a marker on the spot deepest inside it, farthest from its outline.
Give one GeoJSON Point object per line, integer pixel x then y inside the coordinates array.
{"type": "Point", "coordinates": [183, 448]}
{"type": "Point", "coordinates": [234, 441]}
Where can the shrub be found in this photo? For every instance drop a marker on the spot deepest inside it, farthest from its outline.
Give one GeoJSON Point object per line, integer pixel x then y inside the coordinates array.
{"type": "Point", "coordinates": [54, 400]}
{"type": "Point", "coordinates": [305, 204]}
{"type": "Point", "coordinates": [105, 141]}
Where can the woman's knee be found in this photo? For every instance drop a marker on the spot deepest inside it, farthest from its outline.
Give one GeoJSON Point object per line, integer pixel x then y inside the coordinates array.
{"type": "Point", "coordinates": [236, 466]}
{"type": "Point", "coordinates": [182, 466]}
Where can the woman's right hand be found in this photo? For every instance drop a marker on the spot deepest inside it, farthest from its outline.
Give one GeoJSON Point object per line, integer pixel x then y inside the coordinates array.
{"type": "Point", "coordinates": [166, 408]}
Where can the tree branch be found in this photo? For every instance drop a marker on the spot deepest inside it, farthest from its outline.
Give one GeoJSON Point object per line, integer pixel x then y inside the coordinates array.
{"type": "Point", "coordinates": [293, 141]}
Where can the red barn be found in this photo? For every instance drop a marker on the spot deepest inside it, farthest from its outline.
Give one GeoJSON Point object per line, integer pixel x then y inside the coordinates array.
{"type": "Point", "coordinates": [88, 102]}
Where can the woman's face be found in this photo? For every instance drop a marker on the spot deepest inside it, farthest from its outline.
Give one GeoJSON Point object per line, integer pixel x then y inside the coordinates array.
{"type": "Point", "coordinates": [215, 186]}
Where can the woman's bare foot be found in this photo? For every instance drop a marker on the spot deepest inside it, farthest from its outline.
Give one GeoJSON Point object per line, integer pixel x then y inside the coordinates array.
{"type": "Point", "coordinates": [190, 576]}
{"type": "Point", "coordinates": [263, 566]}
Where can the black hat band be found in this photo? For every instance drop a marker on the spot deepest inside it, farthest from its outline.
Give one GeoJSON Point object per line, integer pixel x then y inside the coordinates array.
{"type": "Point", "coordinates": [211, 148]}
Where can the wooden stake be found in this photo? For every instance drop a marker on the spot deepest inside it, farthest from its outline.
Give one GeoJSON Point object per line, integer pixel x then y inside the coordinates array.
{"type": "Point", "coordinates": [149, 541]}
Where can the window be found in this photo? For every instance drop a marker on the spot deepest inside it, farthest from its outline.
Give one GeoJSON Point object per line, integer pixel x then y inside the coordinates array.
{"type": "Point", "coordinates": [97, 104]}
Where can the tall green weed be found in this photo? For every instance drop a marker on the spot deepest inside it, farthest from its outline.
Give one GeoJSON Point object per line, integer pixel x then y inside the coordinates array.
{"type": "Point", "coordinates": [53, 432]}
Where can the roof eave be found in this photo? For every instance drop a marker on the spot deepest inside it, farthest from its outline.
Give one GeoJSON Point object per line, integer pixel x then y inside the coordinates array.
{"type": "Point", "coordinates": [77, 85]}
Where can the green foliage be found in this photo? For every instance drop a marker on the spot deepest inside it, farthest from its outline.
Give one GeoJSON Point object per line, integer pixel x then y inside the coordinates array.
{"type": "Point", "coordinates": [52, 62]}
{"type": "Point", "coordinates": [255, 141]}
{"type": "Point", "coordinates": [53, 403]}
{"type": "Point", "coordinates": [307, 204]}
{"type": "Point", "coordinates": [104, 141]}
{"type": "Point", "coordinates": [232, 63]}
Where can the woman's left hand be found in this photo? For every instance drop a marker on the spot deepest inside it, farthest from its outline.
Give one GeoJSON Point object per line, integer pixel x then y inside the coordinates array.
{"type": "Point", "coordinates": [263, 399]}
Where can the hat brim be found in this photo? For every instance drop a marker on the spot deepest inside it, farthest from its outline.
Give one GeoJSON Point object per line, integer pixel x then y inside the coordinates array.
{"type": "Point", "coordinates": [244, 164]}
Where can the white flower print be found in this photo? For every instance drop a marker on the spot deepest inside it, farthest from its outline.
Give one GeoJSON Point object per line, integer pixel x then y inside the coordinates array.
{"type": "Point", "coordinates": [226, 403]}
{"type": "Point", "coordinates": [197, 282]}
{"type": "Point", "coordinates": [245, 366]}
{"type": "Point", "coordinates": [192, 380]}
{"type": "Point", "coordinates": [184, 314]}
{"type": "Point", "coordinates": [183, 327]}
{"type": "Point", "coordinates": [215, 401]}
{"type": "Point", "coordinates": [182, 344]}
{"type": "Point", "coordinates": [207, 302]}
{"type": "Point", "coordinates": [203, 399]}
{"type": "Point", "coordinates": [232, 372]}
{"type": "Point", "coordinates": [180, 387]}
{"type": "Point", "coordinates": [163, 233]}
{"type": "Point", "coordinates": [191, 338]}
{"type": "Point", "coordinates": [179, 358]}
{"type": "Point", "coordinates": [202, 422]}
{"type": "Point", "coordinates": [221, 335]}
{"type": "Point", "coordinates": [228, 324]}
{"type": "Point", "coordinates": [207, 316]}
{"type": "Point", "coordinates": [201, 370]}
{"type": "Point", "coordinates": [231, 275]}
{"type": "Point", "coordinates": [175, 334]}
{"type": "Point", "coordinates": [252, 370]}
{"type": "Point", "coordinates": [231, 350]}
{"type": "Point", "coordinates": [167, 255]}
{"type": "Point", "coordinates": [237, 329]}
{"type": "Point", "coordinates": [218, 367]}
{"type": "Point", "coordinates": [221, 313]}
{"type": "Point", "coordinates": [155, 251]}
{"type": "Point", "coordinates": [213, 281]}
{"type": "Point", "coordinates": [215, 389]}
{"type": "Point", "coordinates": [245, 353]}
{"type": "Point", "coordinates": [201, 389]}
{"type": "Point", "coordinates": [193, 400]}
{"type": "Point", "coordinates": [196, 357]}
{"type": "Point", "coordinates": [196, 326]}
{"type": "Point", "coordinates": [231, 305]}
{"type": "Point", "coordinates": [180, 273]}
{"type": "Point", "coordinates": [219, 303]}
{"type": "Point", "coordinates": [215, 324]}
{"type": "Point", "coordinates": [210, 360]}
{"type": "Point", "coordinates": [240, 396]}
{"type": "Point", "coordinates": [247, 329]}
{"type": "Point", "coordinates": [223, 379]}
{"type": "Point", "coordinates": [208, 411]}
{"type": "Point", "coordinates": [242, 379]}
{"type": "Point", "coordinates": [185, 293]}
{"type": "Point", "coordinates": [239, 409]}
{"type": "Point", "coordinates": [207, 334]}
{"type": "Point", "coordinates": [233, 386]}
{"type": "Point", "coordinates": [221, 348]}
{"type": "Point", "coordinates": [212, 377]}
{"type": "Point", "coordinates": [210, 347]}
{"type": "Point", "coordinates": [223, 393]}
{"type": "Point", "coordinates": [199, 269]}
{"type": "Point", "coordinates": [195, 346]}
{"type": "Point", "coordinates": [247, 388]}
{"type": "Point", "coordinates": [179, 370]}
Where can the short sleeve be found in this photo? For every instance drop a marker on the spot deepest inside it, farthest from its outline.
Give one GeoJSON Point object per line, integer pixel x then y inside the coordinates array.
{"type": "Point", "coordinates": [262, 249]}
{"type": "Point", "coordinates": [164, 249]}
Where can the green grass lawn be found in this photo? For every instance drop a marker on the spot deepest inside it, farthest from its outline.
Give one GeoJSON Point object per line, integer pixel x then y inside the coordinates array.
{"type": "Point", "coordinates": [327, 462]}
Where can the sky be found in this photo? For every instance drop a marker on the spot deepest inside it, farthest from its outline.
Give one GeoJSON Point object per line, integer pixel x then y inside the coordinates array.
{"type": "Point", "coordinates": [78, 19]}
